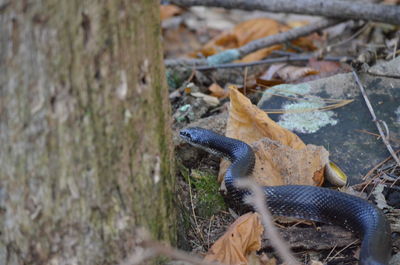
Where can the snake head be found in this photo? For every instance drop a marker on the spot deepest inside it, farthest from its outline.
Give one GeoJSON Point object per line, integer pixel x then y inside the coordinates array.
{"type": "Point", "coordinates": [207, 140]}
{"type": "Point", "coordinates": [194, 135]}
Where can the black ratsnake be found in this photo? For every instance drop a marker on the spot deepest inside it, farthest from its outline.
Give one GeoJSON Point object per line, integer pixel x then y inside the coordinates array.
{"type": "Point", "coordinates": [305, 202]}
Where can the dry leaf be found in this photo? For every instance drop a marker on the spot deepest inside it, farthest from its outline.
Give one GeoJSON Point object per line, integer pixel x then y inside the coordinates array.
{"type": "Point", "coordinates": [278, 164]}
{"type": "Point", "coordinates": [265, 260]}
{"type": "Point", "coordinates": [167, 11]}
{"type": "Point", "coordinates": [291, 72]}
{"type": "Point", "coordinates": [316, 262]}
{"type": "Point", "coordinates": [210, 100]}
{"type": "Point", "coordinates": [248, 31]}
{"type": "Point", "coordinates": [268, 77]}
{"type": "Point", "coordinates": [249, 123]}
{"type": "Point", "coordinates": [217, 91]}
{"type": "Point", "coordinates": [282, 158]}
{"type": "Point", "coordinates": [241, 238]}
{"type": "Point", "coordinates": [324, 66]}
{"type": "Point", "coordinates": [284, 72]}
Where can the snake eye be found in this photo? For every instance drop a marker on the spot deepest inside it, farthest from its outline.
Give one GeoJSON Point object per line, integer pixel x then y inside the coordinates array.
{"type": "Point", "coordinates": [185, 134]}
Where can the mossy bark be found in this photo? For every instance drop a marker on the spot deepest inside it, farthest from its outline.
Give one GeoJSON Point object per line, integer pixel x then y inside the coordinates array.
{"type": "Point", "coordinates": [84, 131]}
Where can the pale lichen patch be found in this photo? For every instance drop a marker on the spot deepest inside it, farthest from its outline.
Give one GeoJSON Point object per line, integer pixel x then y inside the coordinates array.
{"type": "Point", "coordinates": [306, 121]}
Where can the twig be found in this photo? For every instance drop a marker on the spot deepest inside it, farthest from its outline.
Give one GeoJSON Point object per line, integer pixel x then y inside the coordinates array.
{"type": "Point", "coordinates": [340, 251]}
{"type": "Point", "coordinates": [334, 9]}
{"type": "Point", "coordinates": [193, 212]}
{"type": "Point", "coordinates": [254, 45]}
{"type": "Point", "coordinates": [259, 203]}
{"type": "Point", "coordinates": [330, 252]}
{"type": "Point", "coordinates": [286, 36]}
{"type": "Point", "coordinates": [377, 166]}
{"type": "Point", "coordinates": [285, 59]}
{"type": "Point", "coordinates": [244, 80]}
{"type": "Point", "coordinates": [157, 249]}
{"type": "Point", "coordinates": [377, 122]}
{"type": "Point", "coordinates": [355, 35]}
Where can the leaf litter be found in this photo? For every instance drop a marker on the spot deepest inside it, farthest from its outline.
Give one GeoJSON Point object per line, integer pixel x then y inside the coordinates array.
{"type": "Point", "coordinates": [252, 125]}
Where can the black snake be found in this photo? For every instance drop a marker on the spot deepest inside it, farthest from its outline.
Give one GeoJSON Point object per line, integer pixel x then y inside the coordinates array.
{"type": "Point", "coordinates": [306, 202]}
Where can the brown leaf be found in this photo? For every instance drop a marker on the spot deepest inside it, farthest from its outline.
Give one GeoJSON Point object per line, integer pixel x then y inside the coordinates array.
{"type": "Point", "coordinates": [167, 11]}
{"type": "Point", "coordinates": [249, 123]}
{"type": "Point", "coordinates": [291, 72]}
{"type": "Point", "coordinates": [281, 157]}
{"type": "Point", "coordinates": [217, 91]}
{"type": "Point", "coordinates": [241, 238]}
{"type": "Point", "coordinates": [248, 31]}
{"type": "Point", "coordinates": [278, 164]}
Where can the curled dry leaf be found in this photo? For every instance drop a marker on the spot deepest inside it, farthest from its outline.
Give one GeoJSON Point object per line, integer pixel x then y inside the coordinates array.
{"type": "Point", "coordinates": [291, 72]}
{"type": "Point", "coordinates": [281, 157]}
{"type": "Point", "coordinates": [217, 91]}
{"type": "Point", "coordinates": [241, 238]}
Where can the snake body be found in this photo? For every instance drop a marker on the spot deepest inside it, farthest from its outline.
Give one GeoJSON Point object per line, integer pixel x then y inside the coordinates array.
{"type": "Point", "coordinates": [305, 202]}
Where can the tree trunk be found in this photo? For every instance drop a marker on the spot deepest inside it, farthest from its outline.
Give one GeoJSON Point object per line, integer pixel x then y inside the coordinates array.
{"type": "Point", "coordinates": [84, 130]}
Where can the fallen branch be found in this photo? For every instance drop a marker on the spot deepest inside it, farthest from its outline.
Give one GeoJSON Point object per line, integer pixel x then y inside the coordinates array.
{"type": "Point", "coordinates": [377, 122]}
{"type": "Point", "coordinates": [285, 59]}
{"type": "Point", "coordinates": [286, 36]}
{"type": "Point", "coordinates": [332, 9]}
{"type": "Point", "coordinates": [234, 54]}
{"type": "Point", "coordinates": [148, 248]}
{"type": "Point", "coordinates": [259, 203]}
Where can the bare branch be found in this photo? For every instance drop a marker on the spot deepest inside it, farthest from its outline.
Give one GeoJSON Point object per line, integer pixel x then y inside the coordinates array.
{"type": "Point", "coordinates": [147, 248]}
{"type": "Point", "coordinates": [258, 44]}
{"type": "Point", "coordinates": [377, 122]}
{"type": "Point", "coordinates": [286, 36]}
{"type": "Point", "coordinates": [259, 203]}
{"type": "Point", "coordinates": [332, 9]}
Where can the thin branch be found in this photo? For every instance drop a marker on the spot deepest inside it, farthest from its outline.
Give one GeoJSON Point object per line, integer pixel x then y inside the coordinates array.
{"type": "Point", "coordinates": [332, 9]}
{"type": "Point", "coordinates": [176, 254]}
{"type": "Point", "coordinates": [285, 59]}
{"type": "Point", "coordinates": [259, 203]}
{"type": "Point", "coordinates": [147, 248]}
{"type": "Point", "coordinates": [377, 122]}
{"type": "Point", "coordinates": [287, 36]}
{"type": "Point", "coordinates": [234, 54]}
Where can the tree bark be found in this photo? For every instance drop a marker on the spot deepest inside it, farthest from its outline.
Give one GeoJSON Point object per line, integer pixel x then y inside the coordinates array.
{"type": "Point", "coordinates": [84, 131]}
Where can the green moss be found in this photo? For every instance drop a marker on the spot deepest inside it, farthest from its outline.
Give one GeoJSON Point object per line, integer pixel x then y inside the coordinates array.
{"type": "Point", "coordinates": [208, 200]}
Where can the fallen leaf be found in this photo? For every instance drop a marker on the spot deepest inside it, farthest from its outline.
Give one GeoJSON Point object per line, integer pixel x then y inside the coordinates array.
{"type": "Point", "coordinates": [285, 73]}
{"type": "Point", "coordinates": [316, 262]}
{"type": "Point", "coordinates": [249, 123]}
{"type": "Point", "coordinates": [167, 11]}
{"type": "Point", "coordinates": [217, 91]}
{"type": "Point", "coordinates": [281, 157]}
{"type": "Point", "coordinates": [251, 30]}
{"type": "Point", "coordinates": [210, 100]}
{"type": "Point", "coordinates": [278, 164]}
{"type": "Point", "coordinates": [241, 238]}
{"type": "Point", "coordinates": [268, 78]}
{"type": "Point", "coordinates": [324, 66]}
{"type": "Point", "coordinates": [290, 72]}
{"type": "Point", "coordinates": [265, 260]}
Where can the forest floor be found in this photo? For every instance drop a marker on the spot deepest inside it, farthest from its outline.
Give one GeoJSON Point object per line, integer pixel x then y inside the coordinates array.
{"type": "Point", "coordinates": [342, 125]}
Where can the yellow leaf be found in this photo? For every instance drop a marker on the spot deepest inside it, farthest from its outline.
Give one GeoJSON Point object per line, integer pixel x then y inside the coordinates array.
{"type": "Point", "coordinates": [281, 157]}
